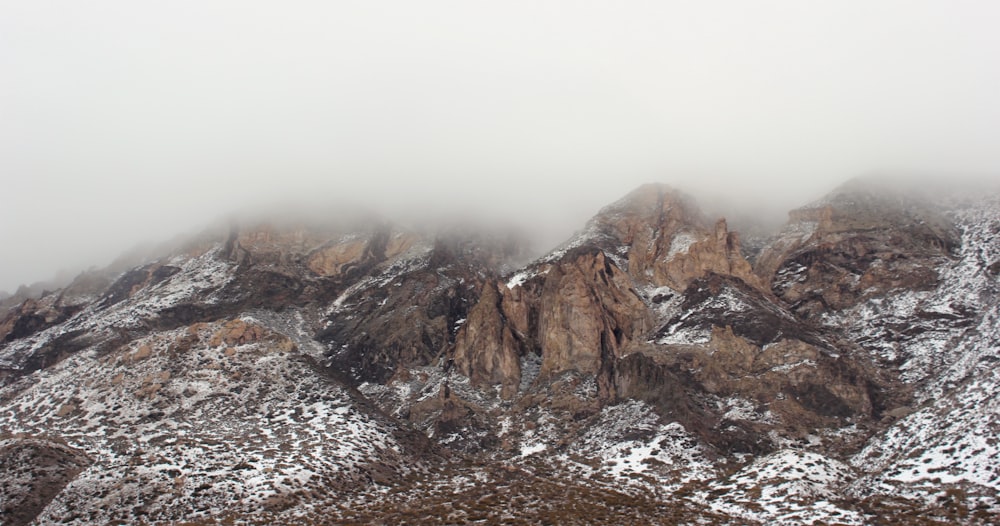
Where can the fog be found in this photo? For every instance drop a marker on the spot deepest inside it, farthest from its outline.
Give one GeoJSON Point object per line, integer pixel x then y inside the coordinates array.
{"type": "Point", "coordinates": [124, 121]}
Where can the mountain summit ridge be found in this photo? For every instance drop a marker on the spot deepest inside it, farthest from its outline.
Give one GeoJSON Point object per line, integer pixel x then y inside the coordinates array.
{"type": "Point", "coordinates": [294, 372]}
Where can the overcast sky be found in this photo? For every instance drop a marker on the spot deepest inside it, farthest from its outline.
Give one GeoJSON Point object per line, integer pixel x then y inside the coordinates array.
{"type": "Point", "coordinates": [127, 120]}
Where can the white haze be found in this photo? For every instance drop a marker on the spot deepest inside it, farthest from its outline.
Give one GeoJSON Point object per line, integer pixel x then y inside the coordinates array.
{"type": "Point", "coordinates": [127, 120]}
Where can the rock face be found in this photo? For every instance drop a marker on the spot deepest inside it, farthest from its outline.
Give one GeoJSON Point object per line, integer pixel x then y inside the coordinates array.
{"type": "Point", "coordinates": [589, 313]}
{"type": "Point", "coordinates": [718, 253]}
{"type": "Point", "coordinates": [486, 349]}
{"type": "Point", "coordinates": [579, 316]}
{"type": "Point", "coordinates": [580, 310]}
{"type": "Point", "coordinates": [404, 291]}
{"type": "Point", "coordinates": [30, 317]}
{"type": "Point", "coordinates": [668, 241]}
{"type": "Point", "coordinates": [282, 372]}
{"type": "Point", "coordinates": [341, 257]}
{"type": "Point", "coordinates": [720, 335]}
{"type": "Point", "coordinates": [729, 341]}
{"type": "Point", "coordinates": [856, 243]}
{"type": "Point", "coordinates": [404, 313]}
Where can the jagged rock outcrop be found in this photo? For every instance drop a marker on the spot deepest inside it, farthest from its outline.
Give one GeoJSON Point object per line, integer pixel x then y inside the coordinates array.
{"type": "Point", "coordinates": [32, 316]}
{"type": "Point", "coordinates": [303, 372]}
{"type": "Point", "coordinates": [405, 311]}
{"type": "Point", "coordinates": [579, 309]}
{"type": "Point", "coordinates": [486, 349]}
{"type": "Point", "coordinates": [667, 240]}
{"type": "Point", "coordinates": [730, 341]}
{"type": "Point", "coordinates": [860, 241]}
{"type": "Point", "coordinates": [337, 258]}
{"type": "Point", "coordinates": [589, 312]}
{"type": "Point", "coordinates": [717, 253]}
{"type": "Point", "coordinates": [579, 315]}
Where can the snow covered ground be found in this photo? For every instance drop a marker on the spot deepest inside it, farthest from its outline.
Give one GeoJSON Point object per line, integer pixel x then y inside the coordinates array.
{"type": "Point", "coordinates": [181, 425]}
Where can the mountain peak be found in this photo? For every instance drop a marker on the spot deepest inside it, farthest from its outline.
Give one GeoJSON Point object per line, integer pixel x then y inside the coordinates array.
{"type": "Point", "coordinates": [649, 200]}
{"type": "Point", "coordinates": [301, 366]}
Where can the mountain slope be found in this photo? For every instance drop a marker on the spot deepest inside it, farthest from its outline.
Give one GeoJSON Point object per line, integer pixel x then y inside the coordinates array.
{"type": "Point", "coordinates": [363, 372]}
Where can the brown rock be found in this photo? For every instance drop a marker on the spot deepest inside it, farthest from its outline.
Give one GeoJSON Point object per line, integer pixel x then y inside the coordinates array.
{"type": "Point", "coordinates": [337, 258]}
{"type": "Point", "coordinates": [669, 242]}
{"type": "Point", "coordinates": [485, 348]}
{"type": "Point", "coordinates": [237, 332]}
{"type": "Point", "coordinates": [861, 242]}
{"type": "Point", "coordinates": [408, 320]}
{"type": "Point", "coordinates": [826, 387]}
{"type": "Point", "coordinates": [579, 314]}
{"type": "Point", "coordinates": [588, 313]}
{"type": "Point", "coordinates": [33, 316]}
{"type": "Point", "coordinates": [517, 309]}
{"type": "Point", "coordinates": [718, 253]}
{"type": "Point", "coordinates": [143, 352]}
{"type": "Point", "coordinates": [330, 261]}
{"type": "Point", "coordinates": [784, 353]}
{"type": "Point", "coordinates": [148, 390]}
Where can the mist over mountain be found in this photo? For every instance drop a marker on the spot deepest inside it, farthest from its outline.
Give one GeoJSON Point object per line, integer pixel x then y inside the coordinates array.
{"type": "Point", "coordinates": [757, 211]}
{"type": "Point", "coordinates": [657, 366]}
{"type": "Point", "coordinates": [126, 123]}
{"type": "Point", "coordinates": [552, 262]}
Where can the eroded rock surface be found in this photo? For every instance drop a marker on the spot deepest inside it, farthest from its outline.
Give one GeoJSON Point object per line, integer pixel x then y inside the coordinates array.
{"type": "Point", "coordinates": [298, 372]}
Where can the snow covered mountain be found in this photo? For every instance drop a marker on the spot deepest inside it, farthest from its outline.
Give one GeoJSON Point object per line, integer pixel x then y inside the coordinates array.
{"type": "Point", "coordinates": [646, 371]}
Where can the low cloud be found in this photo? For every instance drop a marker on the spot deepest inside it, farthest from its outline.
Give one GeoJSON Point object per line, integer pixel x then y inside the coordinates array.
{"type": "Point", "coordinates": [123, 122]}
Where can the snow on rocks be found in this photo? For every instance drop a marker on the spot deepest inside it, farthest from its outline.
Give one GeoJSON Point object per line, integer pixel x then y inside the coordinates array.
{"type": "Point", "coordinates": [947, 341]}
{"type": "Point", "coordinates": [680, 244]}
{"type": "Point", "coordinates": [629, 445]}
{"type": "Point", "coordinates": [181, 428]}
{"type": "Point", "coordinates": [415, 258]}
{"type": "Point", "coordinates": [952, 441]}
{"type": "Point", "coordinates": [786, 487]}
{"type": "Point", "coordinates": [679, 335]}
{"type": "Point", "coordinates": [198, 278]}
{"type": "Point", "coordinates": [922, 331]}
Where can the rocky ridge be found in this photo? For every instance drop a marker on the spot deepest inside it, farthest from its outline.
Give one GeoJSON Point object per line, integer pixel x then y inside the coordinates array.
{"type": "Point", "coordinates": [840, 375]}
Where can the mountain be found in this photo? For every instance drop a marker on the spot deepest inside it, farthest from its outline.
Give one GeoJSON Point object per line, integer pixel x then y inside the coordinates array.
{"type": "Point", "coordinates": [647, 371]}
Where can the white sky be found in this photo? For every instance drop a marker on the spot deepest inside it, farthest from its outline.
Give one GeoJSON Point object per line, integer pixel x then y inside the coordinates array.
{"type": "Point", "coordinates": [131, 120]}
